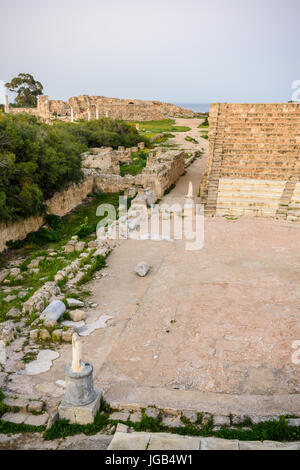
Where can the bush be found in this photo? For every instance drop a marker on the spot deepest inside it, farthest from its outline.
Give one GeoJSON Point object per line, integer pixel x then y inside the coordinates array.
{"type": "Point", "coordinates": [37, 159]}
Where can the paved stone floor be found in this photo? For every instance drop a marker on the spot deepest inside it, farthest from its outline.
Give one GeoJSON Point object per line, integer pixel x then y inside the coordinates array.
{"type": "Point", "coordinates": [218, 322]}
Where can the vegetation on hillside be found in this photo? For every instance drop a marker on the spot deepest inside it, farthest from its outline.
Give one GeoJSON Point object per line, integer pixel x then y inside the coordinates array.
{"type": "Point", "coordinates": [37, 159]}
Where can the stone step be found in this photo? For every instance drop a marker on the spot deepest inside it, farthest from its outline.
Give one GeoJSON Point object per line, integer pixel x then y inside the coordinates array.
{"type": "Point", "coordinates": [166, 441]}
{"type": "Point", "coordinates": [26, 418]}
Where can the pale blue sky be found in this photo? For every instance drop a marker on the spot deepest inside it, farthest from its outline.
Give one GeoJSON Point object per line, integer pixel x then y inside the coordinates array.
{"type": "Point", "coordinates": [191, 51]}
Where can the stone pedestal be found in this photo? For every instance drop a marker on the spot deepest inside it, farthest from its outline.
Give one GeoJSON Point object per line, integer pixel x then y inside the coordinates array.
{"type": "Point", "coordinates": [81, 402]}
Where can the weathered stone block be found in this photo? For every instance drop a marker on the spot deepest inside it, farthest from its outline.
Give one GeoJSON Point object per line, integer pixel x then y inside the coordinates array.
{"type": "Point", "coordinates": [80, 414]}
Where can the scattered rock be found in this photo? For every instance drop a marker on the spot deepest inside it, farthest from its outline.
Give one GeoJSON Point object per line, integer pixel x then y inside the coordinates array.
{"type": "Point", "coordinates": [92, 244]}
{"type": "Point", "coordinates": [10, 298]}
{"type": "Point", "coordinates": [20, 403]}
{"type": "Point", "coordinates": [14, 272]}
{"type": "Point", "coordinates": [13, 312]}
{"type": "Point", "coordinates": [67, 335]}
{"type": "Point", "coordinates": [152, 412]}
{"type": "Point", "coordinates": [7, 331]}
{"type": "Point", "coordinates": [79, 246]}
{"type": "Point", "coordinates": [172, 421]}
{"type": "Point", "coordinates": [221, 420]}
{"type": "Point", "coordinates": [34, 334]}
{"type": "Point", "coordinates": [59, 276]}
{"type": "Point", "coordinates": [57, 335]}
{"type": "Point", "coordinates": [74, 325]}
{"type": "Point", "coordinates": [77, 315]}
{"type": "Point", "coordinates": [35, 406]}
{"type": "Point", "coordinates": [75, 303]}
{"type": "Point", "coordinates": [293, 421]}
{"type": "Point", "coordinates": [37, 420]}
{"type": "Point", "coordinates": [2, 352]}
{"type": "Point", "coordinates": [119, 416]}
{"type": "Point", "coordinates": [34, 263]}
{"type": "Point", "coordinates": [54, 311]}
{"type": "Point", "coordinates": [22, 294]}
{"type": "Point", "coordinates": [262, 419]}
{"type": "Point", "coordinates": [34, 271]}
{"type": "Point", "coordinates": [142, 268]}
{"type": "Point", "coordinates": [45, 335]}
{"type": "Point", "coordinates": [192, 416]}
{"type": "Point", "coordinates": [136, 417]}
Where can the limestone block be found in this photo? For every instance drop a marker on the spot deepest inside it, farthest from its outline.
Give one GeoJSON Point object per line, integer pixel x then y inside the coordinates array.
{"type": "Point", "coordinates": [119, 416]}
{"type": "Point", "coordinates": [77, 315]}
{"type": "Point", "coordinates": [74, 303]}
{"type": "Point", "coordinates": [37, 420]}
{"type": "Point", "coordinates": [80, 414]}
{"type": "Point", "coordinates": [152, 412]}
{"type": "Point", "coordinates": [164, 441]}
{"type": "Point", "coordinates": [20, 403]}
{"type": "Point", "coordinates": [35, 406]}
{"type": "Point", "coordinates": [213, 443]}
{"type": "Point", "coordinates": [134, 441]}
{"type": "Point", "coordinates": [221, 420]}
{"type": "Point", "coordinates": [7, 331]}
{"type": "Point", "coordinates": [142, 268]}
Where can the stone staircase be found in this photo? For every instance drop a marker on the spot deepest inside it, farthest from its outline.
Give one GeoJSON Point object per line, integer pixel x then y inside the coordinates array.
{"type": "Point", "coordinates": [123, 440]}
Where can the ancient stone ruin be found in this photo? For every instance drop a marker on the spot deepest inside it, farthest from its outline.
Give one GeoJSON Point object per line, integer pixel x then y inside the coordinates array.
{"type": "Point", "coordinates": [95, 107]}
{"type": "Point", "coordinates": [254, 160]}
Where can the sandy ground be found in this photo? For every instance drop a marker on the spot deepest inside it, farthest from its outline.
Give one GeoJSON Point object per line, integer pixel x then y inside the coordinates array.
{"type": "Point", "coordinates": [221, 320]}
{"type": "Point", "coordinates": [195, 132]}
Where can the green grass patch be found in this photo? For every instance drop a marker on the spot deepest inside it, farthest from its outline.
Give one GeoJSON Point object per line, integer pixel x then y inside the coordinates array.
{"type": "Point", "coordinates": [188, 138]}
{"type": "Point", "coordinates": [160, 126]}
{"type": "Point", "coordinates": [97, 265]}
{"type": "Point", "coordinates": [138, 163]}
{"type": "Point", "coordinates": [82, 220]}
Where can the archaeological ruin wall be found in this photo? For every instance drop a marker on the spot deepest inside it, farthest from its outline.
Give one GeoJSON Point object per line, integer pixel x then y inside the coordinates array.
{"type": "Point", "coordinates": [254, 160]}
{"type": "Point", "coordinates": [101, 168]}
{"type": "Point", "coordinates": [96, 107]}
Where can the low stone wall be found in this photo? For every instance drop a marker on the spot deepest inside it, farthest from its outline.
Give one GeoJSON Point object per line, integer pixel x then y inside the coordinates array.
{"type": "Point", "coordinates": [18, 230]}
{"type": "Point", "coordinates": [60, 204]}
{"type": "Point", "coordinates": [161, 172]}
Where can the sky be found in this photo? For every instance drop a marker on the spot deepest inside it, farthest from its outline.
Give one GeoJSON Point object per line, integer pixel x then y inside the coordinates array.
{"type": "Point", "coordinates": [186, 51]}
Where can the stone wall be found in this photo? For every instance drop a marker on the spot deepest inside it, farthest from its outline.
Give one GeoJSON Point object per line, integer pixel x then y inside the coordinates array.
{"type": "Point", "coordinates": [254, 160]}
{"type": "Point", "coordinates": [33, 111]}
{"type": "Point", "coordinates": [161, 172]}
{"type": "Point", "coordinates": [94, 107]}
{"type": "Point", "coordinates": [60, 204]}
{"type": "Point", "coordinates": [105, 160]}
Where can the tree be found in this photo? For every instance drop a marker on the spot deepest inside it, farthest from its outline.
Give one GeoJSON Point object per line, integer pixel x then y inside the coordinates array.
{"type": "Point", "coordinates": [27, 89]}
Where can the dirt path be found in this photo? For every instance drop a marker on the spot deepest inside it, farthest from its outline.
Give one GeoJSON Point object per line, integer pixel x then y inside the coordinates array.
{"type": "Point", "coordinates": [195, 133]}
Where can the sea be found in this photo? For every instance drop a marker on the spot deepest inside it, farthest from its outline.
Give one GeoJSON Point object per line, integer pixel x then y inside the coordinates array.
{"type": "Point", "coordinates": [197, 107]}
